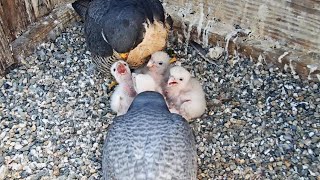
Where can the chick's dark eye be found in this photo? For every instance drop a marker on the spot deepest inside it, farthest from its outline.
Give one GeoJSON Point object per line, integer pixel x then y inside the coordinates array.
{"type": "Point", "coordinates": [160, 63]}
{"type": "Point", "coordinates": [125, 64]}
{"type": "Point", "coordinates": [181, 79]}
{"type": "Point", "coordinates": [114, 69]}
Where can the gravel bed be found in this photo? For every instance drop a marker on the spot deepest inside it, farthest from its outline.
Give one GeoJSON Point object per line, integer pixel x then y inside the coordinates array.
{"type": "Point", "coordinates": [261, 122]}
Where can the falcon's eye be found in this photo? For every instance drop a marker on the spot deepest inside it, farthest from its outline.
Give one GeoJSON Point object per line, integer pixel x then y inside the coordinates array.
{"type": "Point", "coordinates": [114, 69]}
{"type": "Point", "coordinates": [181, 79]}
{"type": "Point", "coordinates": [160, 63]}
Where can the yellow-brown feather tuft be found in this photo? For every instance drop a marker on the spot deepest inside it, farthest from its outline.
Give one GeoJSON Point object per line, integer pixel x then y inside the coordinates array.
{"type": "Point", "coordinates": [154, 40]}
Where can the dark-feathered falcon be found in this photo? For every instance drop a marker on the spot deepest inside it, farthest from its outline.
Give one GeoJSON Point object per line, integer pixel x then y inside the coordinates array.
{"type": "Point", "coordinates": [122, 29]}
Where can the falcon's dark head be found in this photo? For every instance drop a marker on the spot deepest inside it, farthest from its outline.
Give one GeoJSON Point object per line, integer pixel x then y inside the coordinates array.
{"type": "Point", "coordinates": [149, 99]}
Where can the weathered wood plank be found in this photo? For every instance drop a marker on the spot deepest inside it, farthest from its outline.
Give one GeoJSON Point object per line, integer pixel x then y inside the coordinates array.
{"type": "Point", "coordinates": [254, 49]}
{"type": "Point", "coordinates": [277, 27]}
{"type": "Point", "coordinates": [38, 32]}
{"type": "Point", "coordinates": [57, 3]}
{"type": "Point", "coordinates": [14, 16]}
{"type": "Point", "coordinates": [296, 22]}
{"type": "Point", "coordinates": [17, 15]}
{"type": "Point", "coordinates": [6, 58]}
{"type": "Point", "coordinates": [23, 26]}
{"type": "Point", "coordinates": [43, 7]}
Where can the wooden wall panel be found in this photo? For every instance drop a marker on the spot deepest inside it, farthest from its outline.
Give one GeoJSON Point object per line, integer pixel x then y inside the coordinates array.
{"type": "Point", "coordinates": [6, 58]}
{"type": "Point", "coordinates": [291, 26]}
{"type": "Point", "coordinates": [19, 16]}
{"type": "Point", "coordinates": [14, 16]}
{"type": "Point", "coordinates": [296, 22]}
{"type": "Point", "coordinates": [38, 32]}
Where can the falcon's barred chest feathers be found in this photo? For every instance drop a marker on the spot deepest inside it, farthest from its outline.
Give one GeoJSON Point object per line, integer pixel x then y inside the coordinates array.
{"type": "Point", "coordinates": [122, 29]}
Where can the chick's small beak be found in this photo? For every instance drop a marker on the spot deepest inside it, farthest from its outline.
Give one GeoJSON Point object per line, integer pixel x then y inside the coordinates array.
{"type": "Point", "coordinates": [121, 69]}
{"type": "Point", "coordinates": [172, 81]}
{"type": "Point", "coordinates": [150, 64]}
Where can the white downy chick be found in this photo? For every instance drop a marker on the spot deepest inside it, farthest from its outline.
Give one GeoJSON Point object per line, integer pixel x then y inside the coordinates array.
{"type": "Point", "coordinates": [158, 69]}
{"type": "Point", "coordinates": [143, 82]}
{"type": "Point", "coordinates": [185, 94]}
{"type": "Point", "coordinates": [124, 93]}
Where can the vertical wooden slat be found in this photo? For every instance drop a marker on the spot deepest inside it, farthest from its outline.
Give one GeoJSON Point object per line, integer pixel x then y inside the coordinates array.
{"type": "Point", "coordinates": [14, 16]}
{"type": "Point", "coordinates": [6, 58]}
{"type": "Point", "coordinates": [17, 15]}
{"type": "Point", "coordinates": [4, 26]}
{"type": "Point", "coordinates": [30, 11]}
{"type": "Point", "coordinates": [38, 33]}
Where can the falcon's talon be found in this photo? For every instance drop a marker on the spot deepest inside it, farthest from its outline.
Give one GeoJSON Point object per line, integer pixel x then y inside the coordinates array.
{"type": "Point", "coordinates": [112, 84]}
{"type": "Point", "coordinates": [172, 60]}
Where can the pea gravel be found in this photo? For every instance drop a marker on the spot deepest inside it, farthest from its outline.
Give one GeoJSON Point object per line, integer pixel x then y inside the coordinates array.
{"type": "Point", "coordinates": [261, 122]}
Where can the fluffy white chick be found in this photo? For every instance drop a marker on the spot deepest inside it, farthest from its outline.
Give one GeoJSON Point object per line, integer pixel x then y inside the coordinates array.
{"type": "Point", "coordinates": [124, 93]}
{"type": "Point", "coordinates": [185, 94]}
{"type": "Point", "coordinates": [158, 69]}
{"type": "Point", "coordinates": [143, 82]}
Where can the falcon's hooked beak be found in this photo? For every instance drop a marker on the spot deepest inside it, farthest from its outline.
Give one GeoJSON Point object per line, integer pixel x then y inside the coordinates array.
{"type": "Point", "coordinates": [121, 69]}
{"type": "Point", "coordinates": [124, 55]}
{"type": "Point", "coordinates": [172, 81]}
